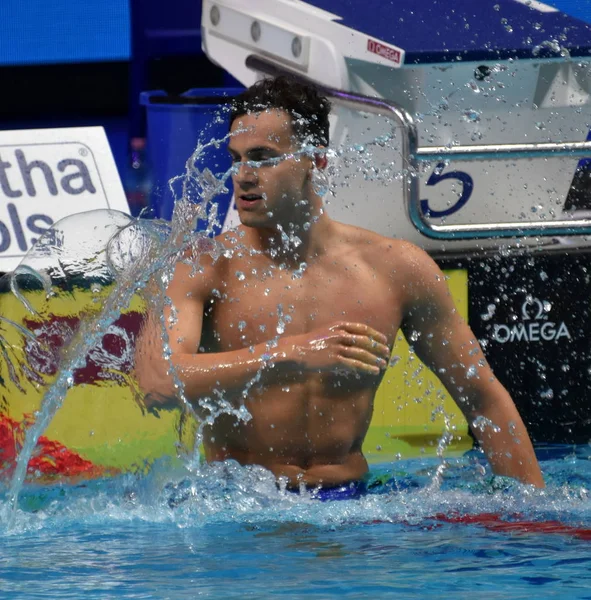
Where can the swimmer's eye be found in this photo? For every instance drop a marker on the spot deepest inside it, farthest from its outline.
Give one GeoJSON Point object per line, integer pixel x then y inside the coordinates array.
{"type": "Point", "coordinates": [261, 156]}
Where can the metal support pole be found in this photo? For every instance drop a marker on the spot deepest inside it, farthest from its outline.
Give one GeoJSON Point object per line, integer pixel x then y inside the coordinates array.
{"type": "Point", "coordinates": [412, 155]}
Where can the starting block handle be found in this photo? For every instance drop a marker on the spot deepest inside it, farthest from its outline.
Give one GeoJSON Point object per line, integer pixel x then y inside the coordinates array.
{"type": "Point", "coordinates": [412, 155]}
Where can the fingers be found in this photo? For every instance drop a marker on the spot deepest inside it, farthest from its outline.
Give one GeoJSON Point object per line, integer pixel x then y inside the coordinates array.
{"type": "Point", "coordinates": [366, 343]}
{"type": "Point", "coordinates": [363, 329]}
{"type": "Point", "coordinates": [359, 366]}
{"type": "Point", "coordinates": [364, 356]}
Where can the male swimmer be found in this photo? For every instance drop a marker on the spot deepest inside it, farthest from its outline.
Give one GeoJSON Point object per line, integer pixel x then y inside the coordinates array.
{"type": "Point", "coordinates": [341, 294]}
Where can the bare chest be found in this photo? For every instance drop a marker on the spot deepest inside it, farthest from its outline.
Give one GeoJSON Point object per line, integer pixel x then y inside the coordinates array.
{"type": "Point", "coordinates": [258, 302]}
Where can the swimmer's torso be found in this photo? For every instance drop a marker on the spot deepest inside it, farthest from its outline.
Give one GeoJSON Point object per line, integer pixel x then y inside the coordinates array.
{"type": "Point", "coordinates": [306, 420]}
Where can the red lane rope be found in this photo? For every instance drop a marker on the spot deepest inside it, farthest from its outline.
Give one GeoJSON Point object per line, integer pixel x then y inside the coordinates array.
{"type": "Point", "coordinates": [496, 522]}
{"type": "Point", "coordinates": [500, 523]}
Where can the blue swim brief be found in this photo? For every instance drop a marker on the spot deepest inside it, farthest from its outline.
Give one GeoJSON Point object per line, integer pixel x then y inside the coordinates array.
{"type": "Point", "coordinates": [347, 491]}
{"type": "Point", "coordinates": [357, 489]}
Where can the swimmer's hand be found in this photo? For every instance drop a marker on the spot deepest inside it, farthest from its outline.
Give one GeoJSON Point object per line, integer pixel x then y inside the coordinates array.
{"type": "Point", "coordinates": [353, 347]}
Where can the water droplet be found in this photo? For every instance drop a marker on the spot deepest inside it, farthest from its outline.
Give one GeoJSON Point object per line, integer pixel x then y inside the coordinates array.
{"type": "Point", "coordinates": [394, 360]}
{"type": "Point", "coordinates": [241, 325]}
{"type": "Point", "coordinates": [481, 423]}
{"type": "Point", "coordinates": [280, 321]}
{"type": "Point", "coordinates": [547, 48]}
{"type": "Point", "coordinates": [471, 116]}
{"type": "Point", "coordinates": [240, 275]}
{"type": "Point", "coordinates": [439, 168]}
{"type": "Point", "coordinates": [491, 308]}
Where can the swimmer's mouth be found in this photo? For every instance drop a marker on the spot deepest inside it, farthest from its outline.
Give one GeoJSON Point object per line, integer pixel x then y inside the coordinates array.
{"type": "Point", "coordinates": [250, 198]}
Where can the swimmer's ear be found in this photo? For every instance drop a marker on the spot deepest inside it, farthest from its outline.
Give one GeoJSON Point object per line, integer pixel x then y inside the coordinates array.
{"type": "Point", "coordinates": [320, 161]}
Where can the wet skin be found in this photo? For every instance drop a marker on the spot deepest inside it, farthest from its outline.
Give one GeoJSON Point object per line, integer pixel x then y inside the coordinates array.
{"type": "Point", "coordinates": [303, 418]}
{"type": "Point", "coordinates": [311, 404]}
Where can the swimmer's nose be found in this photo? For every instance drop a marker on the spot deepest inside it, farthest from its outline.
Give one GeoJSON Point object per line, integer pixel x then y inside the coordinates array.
{"type": "Point", "coordinates": [245, 185]}
{"type": "Point", "coordinates": [245, 176]}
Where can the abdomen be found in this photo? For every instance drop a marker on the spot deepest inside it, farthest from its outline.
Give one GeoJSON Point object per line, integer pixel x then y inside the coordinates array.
{"type": "Point", "coordinates": [297, 426]}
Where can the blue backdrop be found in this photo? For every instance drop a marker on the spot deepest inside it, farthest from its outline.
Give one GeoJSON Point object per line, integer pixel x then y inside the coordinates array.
{"type": "Point", "coordinates": [62, 31]}
{"type": "Point", "coordinates": [576, 8]}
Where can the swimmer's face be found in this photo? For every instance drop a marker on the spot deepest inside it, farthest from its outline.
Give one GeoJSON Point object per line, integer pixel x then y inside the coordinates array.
{"type": "Point", "coordinates": [268, 194]}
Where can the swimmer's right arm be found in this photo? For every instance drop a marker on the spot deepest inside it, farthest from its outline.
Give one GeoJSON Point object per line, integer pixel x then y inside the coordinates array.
{"type": "Point", "coordinates": [198, 373]}
{"type": "Point", "coordinates": [351, 346]}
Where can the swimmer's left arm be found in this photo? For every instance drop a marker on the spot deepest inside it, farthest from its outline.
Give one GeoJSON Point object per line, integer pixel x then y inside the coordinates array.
{"type": "Point", "coordinates": [445, 343]}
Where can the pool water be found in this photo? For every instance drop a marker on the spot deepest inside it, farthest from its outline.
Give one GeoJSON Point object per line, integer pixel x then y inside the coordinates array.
{"type": "Point", "coordinates": [226, 531]}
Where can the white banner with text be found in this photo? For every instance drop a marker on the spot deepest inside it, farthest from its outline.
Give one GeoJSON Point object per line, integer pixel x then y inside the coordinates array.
{"type": "Point", "coordinates": [49, 174]}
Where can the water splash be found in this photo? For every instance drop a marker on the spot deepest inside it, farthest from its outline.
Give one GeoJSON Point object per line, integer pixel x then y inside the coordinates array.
{"type": "Point", "coordinates": [227, 492]}
{"type": "Point", "coordinates": [136, 251]}
{"type": "Point", "coordinates": [482, 423]}
{"type": "Point", "coordinates": [88, 335]}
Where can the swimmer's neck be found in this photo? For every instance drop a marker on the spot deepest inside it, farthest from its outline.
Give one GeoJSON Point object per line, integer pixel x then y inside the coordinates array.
{"type": "Point", "coordinates": [294, 243]}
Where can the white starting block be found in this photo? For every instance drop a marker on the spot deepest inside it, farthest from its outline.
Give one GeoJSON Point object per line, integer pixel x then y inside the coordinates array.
{"type": "Point", "coordinates": [491, 106]}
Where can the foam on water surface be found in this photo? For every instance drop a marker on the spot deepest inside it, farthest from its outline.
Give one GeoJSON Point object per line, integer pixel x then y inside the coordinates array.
{"type": "Point", "coordinates": [412, 492]}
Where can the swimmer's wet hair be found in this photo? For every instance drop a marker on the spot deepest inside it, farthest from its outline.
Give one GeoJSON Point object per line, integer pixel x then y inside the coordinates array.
{"type": "Point", "coordinates": [308, 109]}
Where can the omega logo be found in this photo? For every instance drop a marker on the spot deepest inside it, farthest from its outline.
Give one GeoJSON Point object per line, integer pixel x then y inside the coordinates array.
{"type": "Point", "coordinates": [535, 326]}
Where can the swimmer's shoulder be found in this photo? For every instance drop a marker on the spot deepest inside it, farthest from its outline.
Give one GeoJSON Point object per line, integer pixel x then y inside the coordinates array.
{"type": "Point", "coordinates": [385, 253]}
{"type": "Point", "coordinates": [204, 264]}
